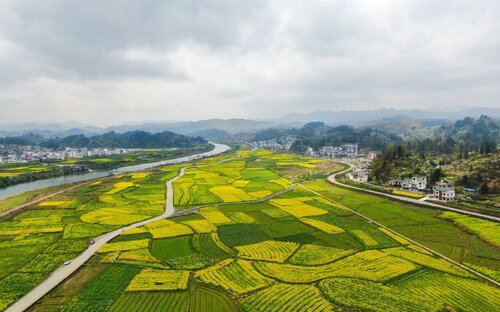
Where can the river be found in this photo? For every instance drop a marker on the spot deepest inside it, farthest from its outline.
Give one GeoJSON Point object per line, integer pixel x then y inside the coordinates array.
{"type": "Point", "coordinates": [40, 184]}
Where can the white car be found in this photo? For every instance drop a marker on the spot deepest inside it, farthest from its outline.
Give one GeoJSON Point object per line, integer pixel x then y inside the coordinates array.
{"type": "Point", "coordinates": [67, 262]}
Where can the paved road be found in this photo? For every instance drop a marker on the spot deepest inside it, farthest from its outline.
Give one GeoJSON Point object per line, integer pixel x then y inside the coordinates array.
{"type": "Point", "coordinates": [332, 179]}
{"type": "Point", "coordinates": [65, 271]}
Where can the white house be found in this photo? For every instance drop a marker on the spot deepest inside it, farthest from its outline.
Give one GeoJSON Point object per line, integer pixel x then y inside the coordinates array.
{"type": "Point", "coordinates": [413, 183]}
{"type": "Point", "coordinates": [444, 193]}
{"type": "Point", "coordinates": [406, 183]}
{"type": "Point", "coordinates": [309, 151]}
{"type": "Point", "coordinates": [419, 182]}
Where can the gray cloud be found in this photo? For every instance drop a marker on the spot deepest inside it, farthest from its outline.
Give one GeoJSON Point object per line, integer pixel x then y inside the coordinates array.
{"type": "Point", "coordinates": [122, 60]}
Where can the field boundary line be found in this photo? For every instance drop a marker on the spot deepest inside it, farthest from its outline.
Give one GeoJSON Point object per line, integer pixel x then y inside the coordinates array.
{"type": "Point", "coordinates": [466, 268]}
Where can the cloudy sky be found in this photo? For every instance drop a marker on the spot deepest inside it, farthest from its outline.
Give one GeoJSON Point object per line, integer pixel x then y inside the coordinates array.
{"type": "Point", "coordinates": [107, 62]}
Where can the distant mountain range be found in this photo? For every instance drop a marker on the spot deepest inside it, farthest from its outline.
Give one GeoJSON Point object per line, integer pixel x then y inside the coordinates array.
{"type": "Point", "coordinates": [195, 128]}
{"type": "Point", "coordinates": [362, 117]}
{"type": "Point", "coordinates": [222, 129]}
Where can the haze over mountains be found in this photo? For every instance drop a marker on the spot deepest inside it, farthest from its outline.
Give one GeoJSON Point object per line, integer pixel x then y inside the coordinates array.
{"type": "Point", "coordinates": [224, 128]}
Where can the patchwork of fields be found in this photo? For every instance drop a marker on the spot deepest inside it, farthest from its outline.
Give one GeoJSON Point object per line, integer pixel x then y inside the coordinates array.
{"type": "Point", "coordinates": [471, 241]}
{"type": "Point", "coordinates": [294, 252]}
{"type": "Point", "coordinates": [247, 176]}
{"type": "Point", "coordinates": [36, 241]}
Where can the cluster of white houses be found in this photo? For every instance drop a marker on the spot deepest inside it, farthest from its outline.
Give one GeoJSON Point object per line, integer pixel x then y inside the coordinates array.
{"type": "Point", "coordinates": [443, 190]}
{"type": "Point", "coordinates": [415, 183]}
{"type": "Point", "coordinates": [26, 153]}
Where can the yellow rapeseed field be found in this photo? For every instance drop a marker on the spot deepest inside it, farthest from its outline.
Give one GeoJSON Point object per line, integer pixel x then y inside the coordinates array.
{"type": "Point", "coordinates": [236, 276]}
{"type": "Point", "coordinates": [201, 226]}
{"type": "Point", "coordinates": [214, 215]}
{"type": "Point", "coordinates": [397, 238]}
{"type": "Point", "coordinates": [323, 226]}
{"type": "Point", "coordinates": [51, 203]}
{"type": "Point", "coordinates": [139, 255]}
{"type": "Point", "coordinates": [167, 228]}
{"type": "Point", "coordinates": [231, 194]}
{"type": "Point", "coordinates": [156, 280]}
{"type": "Point", "coordinates": [297, 208]}
{"type": "Point", "coordinates": [314, 255]}
{"type": "Point", "coordinates": [371, 265]}
{"type": "Point", "coordinates": [268, 250]}
{"type": "Point", "coordinates": [240, 183]}
{"type": "Point", "coordinates": [120, 186]}
{"type": "Point", "coordinates": [406, 194]}
{"type": "Point", "coordinates": [367, 240]}
{"type": "Point", "coordinates": [126, 245]}
{"type": "Point", "coordinates": [426, 260]}
{"type": "Point", "coordinates": [139, 175]}
{"type": "Point", "coordinates": [112, 216]}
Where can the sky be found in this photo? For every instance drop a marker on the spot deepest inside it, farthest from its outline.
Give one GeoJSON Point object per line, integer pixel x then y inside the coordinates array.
{"type": "Point", "coordinates": [111, 62]}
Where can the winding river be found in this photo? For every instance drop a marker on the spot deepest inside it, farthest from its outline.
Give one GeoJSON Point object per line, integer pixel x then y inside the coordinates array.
{"type": "Point", "coordinates": [80, 177]}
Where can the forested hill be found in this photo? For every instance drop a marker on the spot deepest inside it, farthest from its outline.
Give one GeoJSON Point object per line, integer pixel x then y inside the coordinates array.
{"type": "Point", "coordinates": [481, 135]}
{"type": "Point", "coordinates": [317, 135]}
{"type": "Point", "coordinates": [132, 139]}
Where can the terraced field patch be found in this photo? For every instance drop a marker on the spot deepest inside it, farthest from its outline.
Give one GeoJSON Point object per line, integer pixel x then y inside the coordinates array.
{"type": "Point", "coordinates": [362, 294]}
{"type": "Point", "coordinates": [157, 280]}
{"type": "Point", "coordinates": [268, 251]}
{"type": "Point", "coordinates": [316, 255]}
{"type": "Point", "coordinates": [236, 276]}
{"type": "Point", "coordinates": [449, 290]}
{"type": "Point", "coordinates": [487, 230]}
{"type": "Point", "coordinates": [287, 298]}
{"type": "Point", "coordinates": [371, 265]}
{"type": "Point", "coordinates": [151, 301]}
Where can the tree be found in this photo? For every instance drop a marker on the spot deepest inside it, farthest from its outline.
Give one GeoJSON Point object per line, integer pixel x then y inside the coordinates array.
{"type": "Point", "coordinates": [436, 175]}
{"type": "Point", "coordinates": [484, 189]}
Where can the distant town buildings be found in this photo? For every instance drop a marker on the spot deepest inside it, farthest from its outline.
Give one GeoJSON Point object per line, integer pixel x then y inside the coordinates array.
{"type": "Point", "coordinates": [26, 153]}
{"type": "Point", "coordinates": [371, 155]}
{"type": "Point", "coordinates": [345, 150]}
{"type": "Point", "coordinates": [274, 144]}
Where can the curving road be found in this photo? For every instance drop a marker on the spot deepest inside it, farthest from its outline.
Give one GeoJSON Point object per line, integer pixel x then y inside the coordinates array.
{"type": "Point", "coordinates": [59, 275]}
{"type": "Point", "coordinates": [333, 180]}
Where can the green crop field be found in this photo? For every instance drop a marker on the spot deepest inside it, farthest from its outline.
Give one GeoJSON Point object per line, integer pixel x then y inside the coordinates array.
{"type": "Point", "coordinates": [296, 251]}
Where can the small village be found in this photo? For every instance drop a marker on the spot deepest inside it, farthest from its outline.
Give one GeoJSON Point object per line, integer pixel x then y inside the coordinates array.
{"type": "Point", "coordinates": [27, 153]}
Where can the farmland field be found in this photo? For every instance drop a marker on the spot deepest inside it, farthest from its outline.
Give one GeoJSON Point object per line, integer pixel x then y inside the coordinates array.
{"type": "Point", "coordinates": [295, 251]}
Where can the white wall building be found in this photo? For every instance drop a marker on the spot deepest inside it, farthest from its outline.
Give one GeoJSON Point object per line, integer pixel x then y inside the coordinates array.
{"type": "Point", "coordinates": [444, 193]}
{"type": "Point", "coordinates": [419, 182]}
